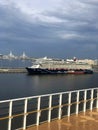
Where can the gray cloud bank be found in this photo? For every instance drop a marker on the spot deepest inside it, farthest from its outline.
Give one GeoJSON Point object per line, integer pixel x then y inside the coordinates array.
{"type": "Point", "coordinates": [70, 29]}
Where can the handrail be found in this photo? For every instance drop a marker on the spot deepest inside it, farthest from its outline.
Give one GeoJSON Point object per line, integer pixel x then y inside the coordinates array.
{"type": "Point", "coordinates": [56, 101]}
{"type": "Point", "coordinates": [47, 108]}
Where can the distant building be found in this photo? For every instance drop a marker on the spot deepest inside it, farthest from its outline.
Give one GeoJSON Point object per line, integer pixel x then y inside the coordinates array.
{"type": "Point", "coordinates": [10, 56]}
{"type": "Point", "coordinates": [23, 56]}
{"type": "Point", "coordinates": [96, 62]}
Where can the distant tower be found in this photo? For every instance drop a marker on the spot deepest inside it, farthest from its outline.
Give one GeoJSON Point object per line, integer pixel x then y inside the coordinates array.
{"type": "Point", "coordinates": [11, 55]}
{"type": "Point", "coordinates": [23, 56]}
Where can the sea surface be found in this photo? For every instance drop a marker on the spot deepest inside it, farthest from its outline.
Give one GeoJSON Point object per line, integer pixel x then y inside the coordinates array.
{"type": "Point", "coordinates": [18, 85]}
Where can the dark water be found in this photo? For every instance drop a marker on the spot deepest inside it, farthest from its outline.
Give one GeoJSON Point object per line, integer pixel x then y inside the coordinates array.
{"type": "Point", "coordinates": [23, 85]}
{"type": "Point", "coordinates": [5, 63]}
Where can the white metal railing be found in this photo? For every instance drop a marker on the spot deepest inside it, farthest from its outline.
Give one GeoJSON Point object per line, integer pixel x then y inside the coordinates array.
{"type": "Point", "coordinates": [45, 107]}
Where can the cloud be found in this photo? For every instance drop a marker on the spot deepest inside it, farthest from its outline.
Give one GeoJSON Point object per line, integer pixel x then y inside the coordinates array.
{"type": "Point", "coordinates": [71, 36]}
{"type": "Point", "coordinates": [62, 25]}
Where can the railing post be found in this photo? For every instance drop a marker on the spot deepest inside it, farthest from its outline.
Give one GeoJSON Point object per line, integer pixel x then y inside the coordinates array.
{"type": "Point", "coordinates": [85, 97]}
{"type": "Point", "coordinates": [77, 105]}
{"type": "Point", "coordinates": [10, 115]}
{"type": "Point", "coordinates": [38, 111]}
{"type": "Point", "coordinates": [60, 107]}
{"type": "Point", "coordinates": [91, 103]}
{"type": "Point", "coordinates": [69, 103]}
{"type": "Point", "coordinates": [50, 104]}
{"type": "Point", "coordinates": [25, 114]}
{"type": "Point", "coordinates": [97, 99]}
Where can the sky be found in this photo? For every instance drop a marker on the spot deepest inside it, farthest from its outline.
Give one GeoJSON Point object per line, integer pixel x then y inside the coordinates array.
{"type": "Point", "coordinates": [53, 28]}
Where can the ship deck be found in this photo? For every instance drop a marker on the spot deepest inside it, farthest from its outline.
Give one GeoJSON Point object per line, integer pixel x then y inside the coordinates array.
{"type": "Point", "coordinates": [83, 121]}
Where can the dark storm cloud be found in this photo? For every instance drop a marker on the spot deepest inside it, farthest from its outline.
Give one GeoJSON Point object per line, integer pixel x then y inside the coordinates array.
{"type": "Point", "coordinates": [60, 32]}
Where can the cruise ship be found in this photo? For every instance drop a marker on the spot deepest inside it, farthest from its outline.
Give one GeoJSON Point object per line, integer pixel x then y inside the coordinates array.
{"type": "Point", "coordinates": [55, 66]}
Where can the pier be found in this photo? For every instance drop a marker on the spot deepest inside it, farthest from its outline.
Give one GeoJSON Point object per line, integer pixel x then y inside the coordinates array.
{"type": "Point", "coordinates": [13, 70]}
{"type": "Point", "coordinates": [59, 111]}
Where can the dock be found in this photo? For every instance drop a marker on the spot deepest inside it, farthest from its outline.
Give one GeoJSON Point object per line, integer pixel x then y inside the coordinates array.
{"type": "Point", "coordinates": [13, 70]}
{"type": "Point", "coordinates": [83, 121]}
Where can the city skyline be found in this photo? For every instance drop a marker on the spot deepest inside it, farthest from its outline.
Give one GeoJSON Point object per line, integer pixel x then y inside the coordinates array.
{"type": "Point", "coordinates": [53, 28]}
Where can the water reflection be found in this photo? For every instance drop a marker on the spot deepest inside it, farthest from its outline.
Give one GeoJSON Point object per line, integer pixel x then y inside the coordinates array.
{"type": "Point", "coordinates": [57, 83]}
{"type": "Point", "coordinates": [22, 85]}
